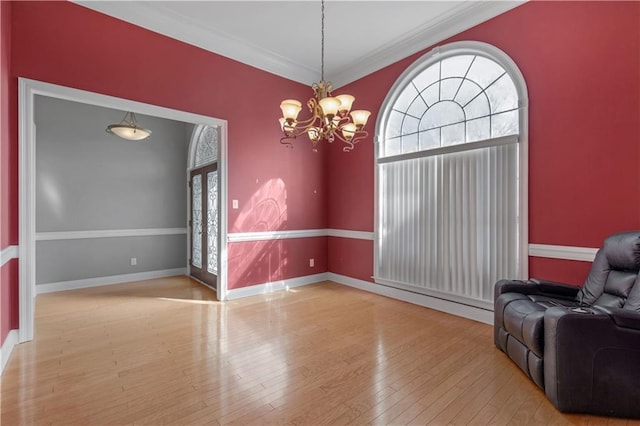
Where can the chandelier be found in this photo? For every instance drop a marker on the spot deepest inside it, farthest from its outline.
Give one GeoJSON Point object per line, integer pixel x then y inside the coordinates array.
{"type": "Point", "coordinates": [331, 116]}
{"type": "Point", "coordinates": [129, 128]}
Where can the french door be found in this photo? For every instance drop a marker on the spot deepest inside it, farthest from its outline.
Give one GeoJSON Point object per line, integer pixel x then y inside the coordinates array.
{"type": "Point", "coordinates": [204, 224]}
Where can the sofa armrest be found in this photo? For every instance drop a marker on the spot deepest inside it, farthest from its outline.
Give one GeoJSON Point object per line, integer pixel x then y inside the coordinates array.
{"type": "Point", "coordinates": [627, 319]}
{"type": "Point", "coordinates": [536, 287]}
{"type": "Point", "coordinates": [556, 289]}
{"type": "Point", "coordinates": [514, 286]}
{"type": "Point", "coordinates": [592, 360]}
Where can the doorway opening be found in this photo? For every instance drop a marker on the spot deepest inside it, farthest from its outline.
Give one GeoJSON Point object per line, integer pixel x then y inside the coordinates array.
{"type": "Point", "coordinates": [27, 91]}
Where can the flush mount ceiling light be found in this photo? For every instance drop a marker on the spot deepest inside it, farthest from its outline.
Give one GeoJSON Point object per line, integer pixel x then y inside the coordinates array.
{"type": "Point", "coordinates": [331, 117]}
{"type": "Point", "coordinates": [129, 128]}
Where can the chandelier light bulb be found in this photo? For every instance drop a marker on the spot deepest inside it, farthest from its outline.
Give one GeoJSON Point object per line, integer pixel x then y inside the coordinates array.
{"type": "Point", "coordinates": [314, 134]}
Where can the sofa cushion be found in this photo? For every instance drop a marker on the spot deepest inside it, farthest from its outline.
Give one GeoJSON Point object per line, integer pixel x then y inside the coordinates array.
{"type": "Point", "coordinates": [524, 320]}
{"type": "Point", "coordinates": [616, 289]}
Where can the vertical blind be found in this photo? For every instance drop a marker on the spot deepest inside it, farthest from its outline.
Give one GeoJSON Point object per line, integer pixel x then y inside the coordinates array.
{"type": "Point", "coordinates": [448, 222]}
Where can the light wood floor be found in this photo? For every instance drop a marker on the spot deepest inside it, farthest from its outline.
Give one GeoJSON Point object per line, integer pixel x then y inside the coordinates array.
{"type": "Point", "coordinates": [165, 352]}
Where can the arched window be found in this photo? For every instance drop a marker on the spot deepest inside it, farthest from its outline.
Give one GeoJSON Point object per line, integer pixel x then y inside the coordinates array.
{"type": "Point", "coordinates": [451, 153]}
{"type": "Point", "coordinates": [205, 145]}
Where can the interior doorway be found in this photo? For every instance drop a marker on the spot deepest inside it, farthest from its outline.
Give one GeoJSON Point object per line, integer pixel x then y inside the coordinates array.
{"type": "Point", "coordinates": [27, 91]}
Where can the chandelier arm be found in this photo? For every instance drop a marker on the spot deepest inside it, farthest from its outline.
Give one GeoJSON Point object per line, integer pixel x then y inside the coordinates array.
{"type": "Point", "coordinates": [357, 137]}
{"type": "Point", "coordinates": [306, 124]}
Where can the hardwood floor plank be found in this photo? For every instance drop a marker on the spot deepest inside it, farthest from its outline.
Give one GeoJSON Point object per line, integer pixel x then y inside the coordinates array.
{"type": "Point", "coordinates": [166, 352]}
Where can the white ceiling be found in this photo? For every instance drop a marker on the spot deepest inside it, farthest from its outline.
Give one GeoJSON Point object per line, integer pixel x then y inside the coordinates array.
{"type": "Point", "coordinates": [283, 37]}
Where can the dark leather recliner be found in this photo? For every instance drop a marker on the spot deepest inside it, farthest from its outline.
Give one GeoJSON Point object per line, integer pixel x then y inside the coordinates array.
{"type": "Point", "coordinates": [580, 345]}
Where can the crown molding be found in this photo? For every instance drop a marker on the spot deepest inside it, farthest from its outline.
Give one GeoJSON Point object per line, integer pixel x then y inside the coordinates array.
{"type": "Point", "coordinates": [155, 17]}
{"type": "Point", "coordinates": [447, 25]}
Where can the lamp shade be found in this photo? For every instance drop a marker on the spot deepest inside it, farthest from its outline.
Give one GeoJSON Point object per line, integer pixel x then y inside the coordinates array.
{"type": "Point", "coordinates": [360, 117]}
{"type": "Point", "coordinates": [348, 131]}
{"type": "Point", "coordinates": [345, 102]}
{"type": "Point", "coordinates": [290, 109]}
{"type": "Point", "coordinates": [129, 131]}
{"type": "Point", "coordinates": [329, 106]}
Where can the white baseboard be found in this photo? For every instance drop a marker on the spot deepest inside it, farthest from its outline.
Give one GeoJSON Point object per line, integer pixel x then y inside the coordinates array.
{"type": "Point", "coordinates": [113, 279]}
{"type": "Point", "coordinates": [257, 289]}
{"type": "Point", "coordinates": [465, 311]}
{"type": "Point", "coordinates": [7, 347]}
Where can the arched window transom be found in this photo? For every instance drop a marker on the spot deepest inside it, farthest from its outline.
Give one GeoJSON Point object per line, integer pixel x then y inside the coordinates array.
{"type": "Point", "coordinates": [207, 146]}
{"type": "Point", "coordinates": [459, 99]}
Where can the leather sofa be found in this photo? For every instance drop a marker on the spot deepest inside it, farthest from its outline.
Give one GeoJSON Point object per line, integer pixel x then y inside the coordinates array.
{"type": "Point", "coordinates": [581, 345]}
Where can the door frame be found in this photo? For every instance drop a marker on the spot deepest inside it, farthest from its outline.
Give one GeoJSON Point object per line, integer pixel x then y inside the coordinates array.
{"type": "Point", "coordinates": [27, 89]}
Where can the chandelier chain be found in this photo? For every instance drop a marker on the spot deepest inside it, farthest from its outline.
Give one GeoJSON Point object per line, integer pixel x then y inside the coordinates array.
{"type": "Point", "coordinates": [322, 43]}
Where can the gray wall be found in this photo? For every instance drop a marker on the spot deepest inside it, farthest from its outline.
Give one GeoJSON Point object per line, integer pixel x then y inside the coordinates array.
{"type": "Point", "coordinates": [89, 180]}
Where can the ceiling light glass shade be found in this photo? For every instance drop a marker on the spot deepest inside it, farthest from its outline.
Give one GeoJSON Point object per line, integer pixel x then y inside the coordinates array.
{"type": "Point", "coordinates": [314, 134]}
{"type": "Point", "coordinates": [360, 117]}
{"type": "Point", "coordinates": [348, 131]}
{"type": "Point", "coordinates": [345, 103]}
{"type": "Point", "coordinates": [329, 106]}
{"type": "Point", "coordinates": [290, 109]}
{"type": "Point", "coordinates": [330, 118]}
{"type": "Point", "coordinates": [129, 129]}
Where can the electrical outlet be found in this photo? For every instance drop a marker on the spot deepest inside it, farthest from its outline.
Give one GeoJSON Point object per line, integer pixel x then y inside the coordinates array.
{"type": "Point", "coordinates": [312, 263]}
{"type": "Point", "coordinates": [234, 204]}
{"type": "Point", "coordinates": [134, 261]}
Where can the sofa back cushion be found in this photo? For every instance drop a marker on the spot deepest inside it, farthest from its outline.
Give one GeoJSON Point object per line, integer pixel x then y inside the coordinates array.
{"type": "Point", "coordinates": [613, 272]}
{"type": "Point", "coordinates": [633, 301]}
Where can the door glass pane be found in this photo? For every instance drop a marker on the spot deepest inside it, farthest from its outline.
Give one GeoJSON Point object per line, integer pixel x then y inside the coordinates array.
{"type": "Point", "coordinates": [207, 148]}
{"type": "Point", "coordinates": [212, 222]}
{"type": "Point", "coordinates": [196, 218]}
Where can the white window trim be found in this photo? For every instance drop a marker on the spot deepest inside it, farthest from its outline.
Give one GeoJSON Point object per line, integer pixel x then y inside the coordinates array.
{"type": "Point", "coordinates": [437, 54]}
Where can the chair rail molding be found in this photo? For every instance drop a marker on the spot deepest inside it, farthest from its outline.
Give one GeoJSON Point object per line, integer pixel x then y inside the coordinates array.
{"type": "Point", "coordinates": [108, 233]}
{"type": "Point", "coordinates": [584, 254]}
{"type": "Point", "coordinates": [236, 237]}
{"type": "Point", "coordinates": [8, 253]}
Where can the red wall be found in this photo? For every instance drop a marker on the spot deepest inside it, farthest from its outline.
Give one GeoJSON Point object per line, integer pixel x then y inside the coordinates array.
{"type": "Point", "coordinates": [8, 180]}
{"type": "Point", "coordinates": [69, 45]}
{"type": "Point", "coordinates": [581, 64]}
{"type": "Point", "coordinates": [580, 61]}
